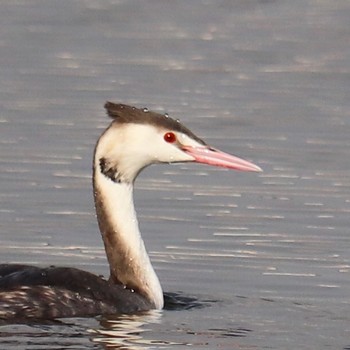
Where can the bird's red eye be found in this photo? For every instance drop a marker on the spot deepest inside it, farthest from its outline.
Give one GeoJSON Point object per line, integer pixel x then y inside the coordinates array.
{"type": "Point", "coordinates": [170, 137]}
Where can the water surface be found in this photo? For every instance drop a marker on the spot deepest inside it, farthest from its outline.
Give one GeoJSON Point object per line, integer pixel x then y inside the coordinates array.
{"type": "Point", "coordinates": [266, 80]}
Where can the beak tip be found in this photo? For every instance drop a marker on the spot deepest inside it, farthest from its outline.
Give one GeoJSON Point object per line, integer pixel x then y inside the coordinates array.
{"type": "Point", "coordinates": [258, 169]}
{"type": "Point", "coordinates": [251, 168]}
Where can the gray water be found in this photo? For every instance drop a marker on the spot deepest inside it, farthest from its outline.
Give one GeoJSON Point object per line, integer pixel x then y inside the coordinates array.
{"type": "Point", "coordinates": [266, 80]}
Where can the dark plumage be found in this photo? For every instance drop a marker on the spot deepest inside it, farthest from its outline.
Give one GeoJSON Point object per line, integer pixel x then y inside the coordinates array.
{"type": "Point", "coordinates": [126, 114]}
{"type": "Point", "coordinates": [28, 290]}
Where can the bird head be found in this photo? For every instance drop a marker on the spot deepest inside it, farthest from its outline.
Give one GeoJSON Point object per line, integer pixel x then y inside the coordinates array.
{"type": "Point", "coordinates": [137, 138]}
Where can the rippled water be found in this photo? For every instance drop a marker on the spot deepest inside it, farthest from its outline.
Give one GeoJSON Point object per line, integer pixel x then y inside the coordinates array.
{"type": "Point", "coordinates": [266, 80]}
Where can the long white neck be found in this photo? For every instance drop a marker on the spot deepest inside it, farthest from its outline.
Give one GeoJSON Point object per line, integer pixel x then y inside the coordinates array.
{"type": "Point", "coordinates": [125, 249]}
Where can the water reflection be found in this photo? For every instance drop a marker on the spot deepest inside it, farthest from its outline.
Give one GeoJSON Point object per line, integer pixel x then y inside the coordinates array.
{"type": "Point", "coordinates": [129, 331]}
{"type": "Point", "coordinates": [150, 330]}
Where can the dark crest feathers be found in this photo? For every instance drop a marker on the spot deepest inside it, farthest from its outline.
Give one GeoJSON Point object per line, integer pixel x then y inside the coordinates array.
{"type": "Point", "coordinates": [127, 114]}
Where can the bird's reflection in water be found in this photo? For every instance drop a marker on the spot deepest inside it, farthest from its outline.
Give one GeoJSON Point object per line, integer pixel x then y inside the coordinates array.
{"type": "Point", "coordinates": [127, 331]}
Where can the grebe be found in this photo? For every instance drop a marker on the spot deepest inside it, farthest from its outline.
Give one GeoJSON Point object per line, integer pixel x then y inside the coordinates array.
{"type": "Point", "coordinates": [135, 139]}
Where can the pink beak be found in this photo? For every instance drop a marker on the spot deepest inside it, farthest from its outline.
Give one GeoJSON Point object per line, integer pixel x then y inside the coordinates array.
{"type": "Point", "coordinates": [211, 156]}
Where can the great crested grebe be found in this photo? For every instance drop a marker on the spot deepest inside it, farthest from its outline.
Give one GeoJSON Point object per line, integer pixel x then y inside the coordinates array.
{"type": "Point", "coordinates": [135, 139]}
